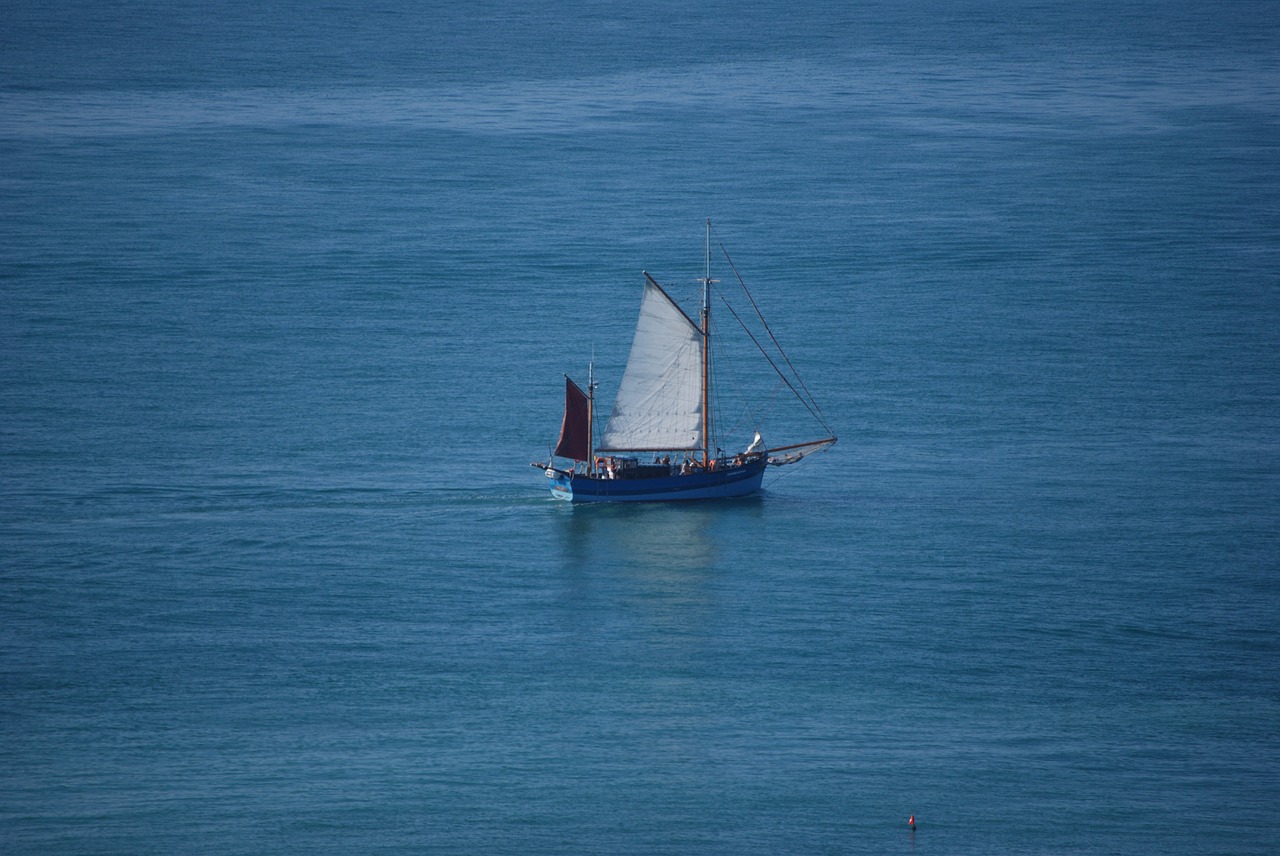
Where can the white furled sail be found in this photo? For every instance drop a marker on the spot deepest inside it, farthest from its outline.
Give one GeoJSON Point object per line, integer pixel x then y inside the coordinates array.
{"type": "Point", "coordinates": [659, 402]}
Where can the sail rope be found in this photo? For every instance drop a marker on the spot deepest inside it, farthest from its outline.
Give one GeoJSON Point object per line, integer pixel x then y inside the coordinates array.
{"type": "Point", "coordinates": [772, 364]}
{"type": "Point", "coordinates": [746, 415]}
{"type": "Point", "coordinates": [810, 400]}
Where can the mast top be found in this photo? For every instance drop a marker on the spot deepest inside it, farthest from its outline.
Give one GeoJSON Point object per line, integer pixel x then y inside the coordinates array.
{"type": "Point", "coordinates": [706, 280]}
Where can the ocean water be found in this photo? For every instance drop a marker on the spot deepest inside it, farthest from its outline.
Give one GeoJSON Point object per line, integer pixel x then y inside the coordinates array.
{"type": "Point", "coordinates": [287, 295]}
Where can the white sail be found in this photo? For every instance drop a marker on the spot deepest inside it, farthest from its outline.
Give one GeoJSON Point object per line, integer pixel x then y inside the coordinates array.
{"type": "Point", "coordinates": [659, 402]}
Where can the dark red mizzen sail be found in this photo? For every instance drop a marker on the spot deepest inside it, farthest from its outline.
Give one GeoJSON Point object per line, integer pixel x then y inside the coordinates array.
{"type": "Point", "coordinates": [575, 439]}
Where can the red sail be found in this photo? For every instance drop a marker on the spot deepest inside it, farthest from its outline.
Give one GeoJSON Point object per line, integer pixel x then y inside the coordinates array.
{"type": "Point", "coordinates": [575, 431]}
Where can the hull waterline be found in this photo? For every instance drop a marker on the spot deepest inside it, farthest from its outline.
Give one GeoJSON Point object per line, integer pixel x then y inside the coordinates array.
{"type": "Point", "coordinates": [724, 484]}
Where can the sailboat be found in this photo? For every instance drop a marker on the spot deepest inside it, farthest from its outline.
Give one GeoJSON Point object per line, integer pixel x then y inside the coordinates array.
{"type": "Point", "coordinates": [663, 409]}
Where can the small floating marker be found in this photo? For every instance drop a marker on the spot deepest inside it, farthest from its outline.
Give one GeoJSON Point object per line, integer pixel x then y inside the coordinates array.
{"type": "Point", "coordinates": [911, 822]}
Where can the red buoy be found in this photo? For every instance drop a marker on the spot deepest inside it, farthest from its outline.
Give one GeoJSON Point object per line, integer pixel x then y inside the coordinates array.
{"type": "Point", "coordinates": [911, 822]}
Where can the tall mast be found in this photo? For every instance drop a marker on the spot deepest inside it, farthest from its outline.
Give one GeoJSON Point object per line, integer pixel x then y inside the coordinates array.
{"type": "Point", "coordinates": [591, 415]}
{"type": "Point", "coordinates": [706, 353]}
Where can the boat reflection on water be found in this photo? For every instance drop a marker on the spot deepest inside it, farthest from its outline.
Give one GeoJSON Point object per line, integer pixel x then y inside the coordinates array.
{"type": "Point", "coordinates": [655, 561]}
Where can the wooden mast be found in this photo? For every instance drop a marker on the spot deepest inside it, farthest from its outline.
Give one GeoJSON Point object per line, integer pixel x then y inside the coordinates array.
{"type": "Point", "coordinates": [591, 415]}
{"type": "Point", "coordinates": [706, 355]}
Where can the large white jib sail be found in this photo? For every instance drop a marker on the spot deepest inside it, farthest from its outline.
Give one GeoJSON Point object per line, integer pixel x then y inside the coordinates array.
{"type": "Point", "coordinates": [659, 402]}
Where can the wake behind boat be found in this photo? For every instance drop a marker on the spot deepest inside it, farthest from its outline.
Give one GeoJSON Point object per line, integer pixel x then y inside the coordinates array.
{"type": "Point", "coordinates": [663, 411]}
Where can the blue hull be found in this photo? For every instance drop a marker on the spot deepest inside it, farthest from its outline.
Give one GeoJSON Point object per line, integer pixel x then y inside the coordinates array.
{"type": "Point", "coordinates": [719, 484]}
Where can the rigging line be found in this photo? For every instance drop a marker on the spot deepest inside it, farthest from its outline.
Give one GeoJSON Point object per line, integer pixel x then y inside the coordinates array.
{"type": "Point", "coordinates": [715, 361]}
{"type": "Point", "coordinates": [782, 475]}
{"type": "Point", "coordinates": [812, 400]}
{"type": "Point", "coordinates": [773, 338]}
{"type": "Point", "coordinates": [727, 378]}
{"type": "Point", "coordinates": [772, 400]}
{"type": "Point", "coordinates": [774, 365]}
{"type": "Point", "coordinates": [746, 413]}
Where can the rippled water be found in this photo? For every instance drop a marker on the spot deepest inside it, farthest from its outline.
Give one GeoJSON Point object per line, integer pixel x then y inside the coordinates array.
{"type": "Point", "coordinates": [287, 296]}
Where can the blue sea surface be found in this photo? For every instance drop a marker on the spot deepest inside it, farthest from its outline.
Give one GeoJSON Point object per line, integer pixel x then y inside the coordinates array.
{"type": "Point", "coordinates": [287, 294]}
